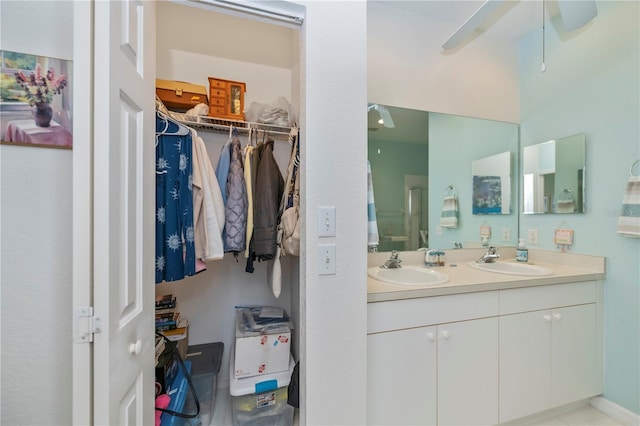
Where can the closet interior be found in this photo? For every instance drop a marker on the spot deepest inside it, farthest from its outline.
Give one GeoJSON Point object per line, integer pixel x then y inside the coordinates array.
{"type": "Point", "coordinates": [194, 44]}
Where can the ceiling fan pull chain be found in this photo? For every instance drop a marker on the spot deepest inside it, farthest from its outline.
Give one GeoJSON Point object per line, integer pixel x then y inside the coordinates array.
{"type": "Point", "coordinates": [544, 66]}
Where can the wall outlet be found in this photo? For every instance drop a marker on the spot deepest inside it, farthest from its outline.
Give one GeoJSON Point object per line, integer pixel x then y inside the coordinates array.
{"type": "Point", "coordinates": [506, 234]}
{"type": "Point", "coordinates": [533, 236]}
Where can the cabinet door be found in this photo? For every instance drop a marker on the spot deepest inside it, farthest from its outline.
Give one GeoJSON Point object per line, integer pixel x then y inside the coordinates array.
{"type": "Point", "coordinates": [525, 364]}
{"type": "Point", "coordinates": [468, 372]}
{"type": "Point", "coordinates": [401, 377]}
{"type": "Point", "coordinates": [574, 369]}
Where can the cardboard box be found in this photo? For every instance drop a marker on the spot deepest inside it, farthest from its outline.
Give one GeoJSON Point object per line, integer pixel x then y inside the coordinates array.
{"type": "Point", "coordinates": [259, 353]}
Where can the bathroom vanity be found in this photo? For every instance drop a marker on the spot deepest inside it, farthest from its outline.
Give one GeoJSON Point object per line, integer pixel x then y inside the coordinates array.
{"type": "Point", "coordinates": [484, 347]}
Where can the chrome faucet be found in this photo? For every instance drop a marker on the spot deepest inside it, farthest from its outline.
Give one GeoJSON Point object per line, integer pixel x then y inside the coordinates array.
{"type": "Point", "coordinates": [393, 262]}
{"type": "Point", "coordinates": [490, 256]}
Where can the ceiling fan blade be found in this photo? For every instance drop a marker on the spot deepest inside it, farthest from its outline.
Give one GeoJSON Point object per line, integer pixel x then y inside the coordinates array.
{"type": "Point", "coordinates": [473, 23]}
{"type": "Point", "coordinates": [385, 115]}
{"type": "Point", "coordinates": [575, 14]}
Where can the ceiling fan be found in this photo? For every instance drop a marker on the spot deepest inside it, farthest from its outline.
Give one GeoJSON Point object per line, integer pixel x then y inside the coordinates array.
{"type": "Point", "coordinates": [574, 13]}
{"type": "Point", "coordinates": [385, 115]}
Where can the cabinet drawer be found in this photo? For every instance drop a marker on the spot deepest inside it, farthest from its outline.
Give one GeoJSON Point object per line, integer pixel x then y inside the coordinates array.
{"type": "Point", "coordinates": [218, 93]}
{"type": "Point", "coordinates": [546, 297]}
{"type": "Point", "coordinates": [216, 111]}
{"type": "Point", "coordinates": [217, 102]}
{"type": "Point", "coordinates": [219, 84]}
{"type": "Point", "coordinates": [401, 314]}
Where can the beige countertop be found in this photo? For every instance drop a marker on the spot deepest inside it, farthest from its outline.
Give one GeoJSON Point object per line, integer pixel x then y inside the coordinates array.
{"type": "Point", "coordinates": [566, 267]}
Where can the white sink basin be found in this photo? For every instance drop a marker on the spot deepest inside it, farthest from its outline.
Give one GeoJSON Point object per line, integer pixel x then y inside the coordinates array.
{"type": "Point", "coordinates": [408, 275]}
{"type": "Point", "coordinates": [512, 268]}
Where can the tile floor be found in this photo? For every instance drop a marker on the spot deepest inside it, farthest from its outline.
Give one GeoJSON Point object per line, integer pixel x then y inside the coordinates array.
{"type": "Point", "coordinates": [585, 415]}
{"type": "Point", "coordinates": [582, 416]}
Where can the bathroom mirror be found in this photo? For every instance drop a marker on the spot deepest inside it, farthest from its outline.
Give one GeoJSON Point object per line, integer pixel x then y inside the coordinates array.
{"type": "Point", "coordinates": [554, 176]}
{"type": "Point", "coordinates": [416, 160]}
{"type": "Point", "coordinates": [491, 191]}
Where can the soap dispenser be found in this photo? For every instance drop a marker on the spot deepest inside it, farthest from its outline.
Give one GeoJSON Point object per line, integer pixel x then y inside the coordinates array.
{"type": "Point", "coordinates": [431, 258]}
{"type": "Point", "coordinates": [522, 254]}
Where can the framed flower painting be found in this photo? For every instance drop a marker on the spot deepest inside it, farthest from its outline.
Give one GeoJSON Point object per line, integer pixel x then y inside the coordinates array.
{"type": "Point", "coordinates": [35, 100]}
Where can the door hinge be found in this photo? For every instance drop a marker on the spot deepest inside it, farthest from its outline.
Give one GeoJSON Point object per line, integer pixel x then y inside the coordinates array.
{"type": "Point", "coordinates": [85, 325]}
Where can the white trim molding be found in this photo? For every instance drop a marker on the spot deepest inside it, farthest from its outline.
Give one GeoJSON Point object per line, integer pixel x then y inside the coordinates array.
{"type": "Point", "coordinates": [615, 411]}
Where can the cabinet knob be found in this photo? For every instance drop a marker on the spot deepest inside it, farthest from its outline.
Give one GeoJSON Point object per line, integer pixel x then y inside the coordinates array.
{"type": "Point", "coordinates": [431, 337]}
{"type": "Point", "coordinates": [547, 318]}
{"type": "Point", "coordinates": [558, 317]}
{"type": "Point", "coordinates": [135, 348]}
{"type": "Point", "coordinates": [445, 334]}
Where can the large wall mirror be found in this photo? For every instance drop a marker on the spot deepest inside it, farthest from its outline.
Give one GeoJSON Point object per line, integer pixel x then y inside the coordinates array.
{"type": "Point", "coordinates": [418, 158]}
{"type": "Point", "coordinates": [554, 176]}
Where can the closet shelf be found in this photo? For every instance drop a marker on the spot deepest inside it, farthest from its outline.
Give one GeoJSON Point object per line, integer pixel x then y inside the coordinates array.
{"type": "Point", "coordinates": [222, 125]}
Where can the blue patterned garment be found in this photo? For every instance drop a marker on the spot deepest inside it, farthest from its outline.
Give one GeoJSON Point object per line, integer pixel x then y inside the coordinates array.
{"type": "Point", "coordinates": [175, 249]}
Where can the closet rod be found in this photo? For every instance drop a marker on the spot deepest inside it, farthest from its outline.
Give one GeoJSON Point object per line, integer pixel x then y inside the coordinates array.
{"type": "Point", "coordinates": [212, 123]}
{"type": "Point", "coordinates": [246, 7]}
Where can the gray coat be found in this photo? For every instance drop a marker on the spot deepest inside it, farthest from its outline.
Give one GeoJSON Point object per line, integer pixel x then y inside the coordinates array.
{"type": "Point", "coordinates": [235, 227]}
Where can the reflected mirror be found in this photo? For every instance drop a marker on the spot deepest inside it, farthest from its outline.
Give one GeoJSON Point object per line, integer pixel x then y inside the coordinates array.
{"type": "Point", "coordinates": [554, 176]}
{"type": "Point", "coordinates": [414, 163]}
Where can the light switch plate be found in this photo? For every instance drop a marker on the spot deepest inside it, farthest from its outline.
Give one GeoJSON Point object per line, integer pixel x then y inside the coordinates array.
{"type": "Point", "coordinates": [533, 236]}
{"type": "Point", "coordinates": [326, 259]}
{"type": "Point", "coordinates": [327, 221]}
{"type": "Point", "coordinates": [506, 234]}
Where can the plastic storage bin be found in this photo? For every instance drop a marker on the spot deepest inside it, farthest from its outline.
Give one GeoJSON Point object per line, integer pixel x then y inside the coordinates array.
{"type": "Point", "coordinates": [260, 400]}
{"type": "Point", "coordinates": [178, 390]}
{"type": "Point", "coordinates": [205, 364]}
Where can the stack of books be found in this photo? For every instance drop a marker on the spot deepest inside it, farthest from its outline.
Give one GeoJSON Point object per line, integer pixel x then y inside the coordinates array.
{"type": "Point", "coordinates": [168, 319]}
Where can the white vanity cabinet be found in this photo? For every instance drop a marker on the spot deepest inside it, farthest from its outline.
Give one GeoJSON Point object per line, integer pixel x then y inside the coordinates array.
{"type": "Point", "coordinates": [485, 357]}
{"type": "Point", "coordinates": [429, 357]}
{"type": "Point", "coordinates": [548, 357]}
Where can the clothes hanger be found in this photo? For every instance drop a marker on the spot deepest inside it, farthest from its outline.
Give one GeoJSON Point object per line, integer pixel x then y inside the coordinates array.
{"type": "Point", "coordinates": [178, 129]}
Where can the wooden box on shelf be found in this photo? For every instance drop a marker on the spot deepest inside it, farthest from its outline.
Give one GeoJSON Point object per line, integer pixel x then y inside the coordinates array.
{"type": "Point", "coordinates": [226, 99]}
{"type": "Point", "coordinates": [180, 95]}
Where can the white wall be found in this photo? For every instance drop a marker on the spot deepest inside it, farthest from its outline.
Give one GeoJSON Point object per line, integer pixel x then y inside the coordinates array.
{"type": "Point", "coordinates": [334, 149]}
{"type": "Point", "coordinates": [35, 234]}
{"type": "Point", "coordinates": [408, 68]}
{"type": "Point", "coordinates": [224, 46]}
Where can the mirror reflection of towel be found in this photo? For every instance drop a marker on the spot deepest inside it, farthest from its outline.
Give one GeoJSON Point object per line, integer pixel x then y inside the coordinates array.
{"type": "Point", "coordinates": [449, 215]}
{"type": "Point", "coordinates": [373, 238]}
{"type": "Point", "coordinates": [565, 206]}
{"type": "Point", "coordinates": [629, 220]}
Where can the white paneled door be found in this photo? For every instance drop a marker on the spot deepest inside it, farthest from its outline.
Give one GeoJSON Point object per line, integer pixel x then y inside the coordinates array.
{"type": "Point", "coordinates": [123, 211]}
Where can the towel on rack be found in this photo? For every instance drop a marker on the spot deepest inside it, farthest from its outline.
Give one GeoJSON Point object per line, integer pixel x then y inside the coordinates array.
{"type": "Point", "coordinates": [565, 206]}
{"type": "Point", "coordinates": [374, 237]}
{"type": "Point", "coordinates": [449, 215]}
{"type": "Point", "coordinates": [629, 220]}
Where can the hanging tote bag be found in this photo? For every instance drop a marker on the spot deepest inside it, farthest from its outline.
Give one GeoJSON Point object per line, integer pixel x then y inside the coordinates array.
{"type": "Point", "coordinates": [290, 220]}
